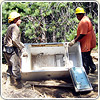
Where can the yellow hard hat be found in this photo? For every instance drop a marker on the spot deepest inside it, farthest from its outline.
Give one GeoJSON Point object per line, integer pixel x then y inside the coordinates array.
{"type": "Point", "coordinates": [79, 10]}
{"type": "Point", "coordinates": [12, 16]}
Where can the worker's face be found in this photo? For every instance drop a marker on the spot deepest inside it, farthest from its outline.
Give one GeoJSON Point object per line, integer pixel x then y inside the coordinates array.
{"type": "Point", "coordinates": [17, 21]}
{"type": "Point", "coordinates": [79, 16]}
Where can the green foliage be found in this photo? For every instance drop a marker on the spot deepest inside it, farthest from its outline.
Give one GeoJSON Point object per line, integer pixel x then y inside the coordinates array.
{"type": "Point", "coordinates": [48, 18]}
{"type": "Point", "coordinates": [97, 38]}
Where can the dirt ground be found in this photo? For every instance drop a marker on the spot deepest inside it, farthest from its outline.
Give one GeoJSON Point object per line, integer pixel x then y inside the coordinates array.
{"type": "Point", "coordinates": [31, 91]}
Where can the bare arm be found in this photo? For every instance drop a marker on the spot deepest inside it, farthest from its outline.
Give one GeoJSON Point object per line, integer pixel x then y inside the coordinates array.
{"type": "Point", "coordinates": [79, 37]}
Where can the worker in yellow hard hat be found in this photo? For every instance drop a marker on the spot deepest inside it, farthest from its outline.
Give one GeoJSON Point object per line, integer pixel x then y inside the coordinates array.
{"type": "Point", "coordinates": [87, 39]}
{"type": "Point", "coordinates": [79, 13]}
{"type": "Point", "coordinates": [79, 10]}
{"type": "Point", "coordinates": [13, 16]}
{"type": "Point", "coordinates": [13, 48]}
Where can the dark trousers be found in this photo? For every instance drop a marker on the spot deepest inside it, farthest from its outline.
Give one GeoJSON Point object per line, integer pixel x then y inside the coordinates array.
{"type": "Point", "coordinates": [13, 61]}
{"type": "Point", "coordinates": [88, 62]}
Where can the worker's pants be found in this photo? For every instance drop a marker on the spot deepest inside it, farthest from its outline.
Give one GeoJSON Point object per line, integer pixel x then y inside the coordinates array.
{"type": "Point", "coordinates": [88, 62]}
{"type": "Point", "coordinates": [13, 61]}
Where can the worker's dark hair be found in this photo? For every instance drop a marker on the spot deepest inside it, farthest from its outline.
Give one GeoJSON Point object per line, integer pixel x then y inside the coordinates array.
{"type": "Point", "coordinates": [80, 14]}
{"type": "Point", "coordinates": [12, 22]}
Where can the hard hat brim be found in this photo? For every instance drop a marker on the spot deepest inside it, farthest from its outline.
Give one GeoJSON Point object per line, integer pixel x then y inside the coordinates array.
{"type": "Point", "coordinates": [80, 12]}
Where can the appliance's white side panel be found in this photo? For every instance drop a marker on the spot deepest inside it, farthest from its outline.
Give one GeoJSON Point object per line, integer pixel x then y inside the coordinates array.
{"type": "Point", "coordinates": [26, 61]}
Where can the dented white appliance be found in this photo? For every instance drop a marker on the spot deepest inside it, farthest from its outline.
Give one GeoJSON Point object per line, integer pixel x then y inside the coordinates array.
{"type": "Point", "coordinates": [55, 61]}
{"type": "Point", "coordinates": [49, 60]}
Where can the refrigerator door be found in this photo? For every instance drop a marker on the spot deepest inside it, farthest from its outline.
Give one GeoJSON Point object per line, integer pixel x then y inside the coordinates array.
{"type": "Point", "coordinates": [80, 79]}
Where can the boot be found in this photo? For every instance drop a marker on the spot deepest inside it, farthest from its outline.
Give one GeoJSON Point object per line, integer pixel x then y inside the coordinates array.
{"type": "Point", "coordinates": [93, 70]}
{"type": "Point", "coordinates": [19, 84]}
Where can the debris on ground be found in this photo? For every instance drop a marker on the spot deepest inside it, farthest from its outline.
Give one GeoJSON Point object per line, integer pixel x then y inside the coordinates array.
{"type": "Point", "coordinates": [48, 88]}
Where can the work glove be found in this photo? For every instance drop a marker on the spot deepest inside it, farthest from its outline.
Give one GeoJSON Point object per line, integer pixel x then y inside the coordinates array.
{"type": "Point", "coordinates": [24, 53]}
{"type": "Point", "coordinates": [72, 43]}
